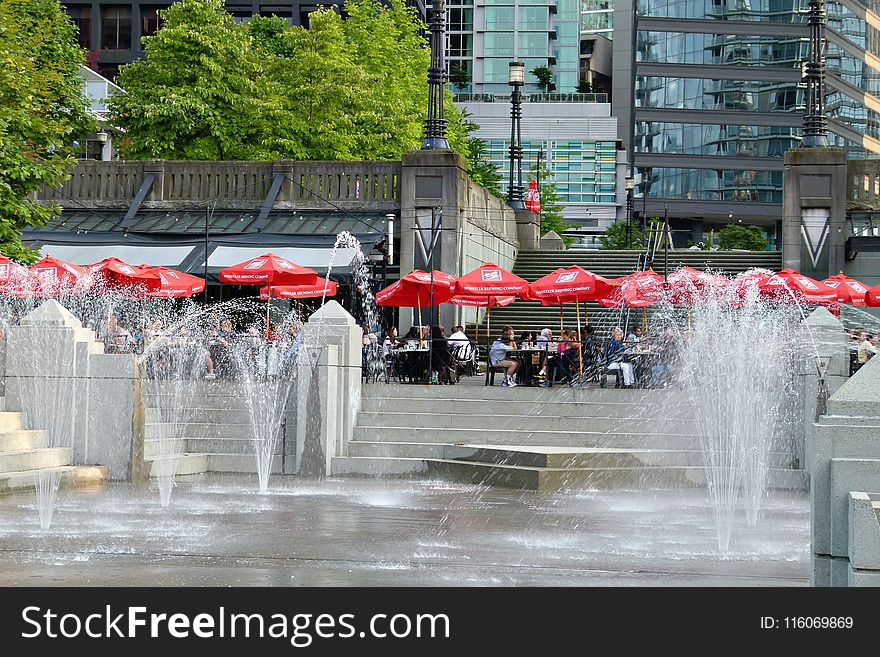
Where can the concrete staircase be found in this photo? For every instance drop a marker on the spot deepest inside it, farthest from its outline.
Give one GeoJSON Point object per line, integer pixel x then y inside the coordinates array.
{"type": "Point", "coordinates": [543, 439]}
{"type": "Point", "coordinates": [532, 265]}
{"type": "Point", "coordinates": [24, 452]}
{"type": "Point", "coordinates": [217, 436]}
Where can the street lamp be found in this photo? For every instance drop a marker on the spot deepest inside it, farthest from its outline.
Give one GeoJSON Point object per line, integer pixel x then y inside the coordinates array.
{"type": "Point", "coordinates": [516, 79]}
{"type": "Point", "coordinates": [629, 209]}
{"type": "Point", "coordinates": [435, 126]}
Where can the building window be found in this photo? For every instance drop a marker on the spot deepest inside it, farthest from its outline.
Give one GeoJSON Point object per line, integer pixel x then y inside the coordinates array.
{"type": "Point", "coordinates": [150, 22]}
{"type": "Point", "coordinates": [115, 28]}
{"type": "Point", "coordinates": [81, 15]}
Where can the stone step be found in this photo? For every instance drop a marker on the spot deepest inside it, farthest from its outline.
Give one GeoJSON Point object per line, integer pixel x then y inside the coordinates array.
{"type": "Point", "coordinates": [404, 392]}
{"type": "Point", "coordinates": [201, 463]}
{"type": "Point", "coordinates": [542, 456]}
{"type": "Point", "coordinates": [72, 476]}
{"type": "Point", "coordinates": [526, 422]}
{"type": "Point", "coordinates": [240, 431]}
{"type": "Point", "coordinates": [10, 421]}
{"type": "Point", "coordinates": [152, 447]}
{"type": "Point", "coordinates": [464, 436]}
{"type": "Point", "coordinates": [545, 479]}
{"type": "Point", "coordinates": [211, 415]}
{"type": "Point", "coordinates": [22, 439]}
{"type": "Point", "coordinates": [560, 406]}
{"type": "Point", "coordinates": [34, 459]}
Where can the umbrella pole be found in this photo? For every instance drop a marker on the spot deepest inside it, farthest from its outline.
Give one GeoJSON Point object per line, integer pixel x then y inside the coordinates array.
{"type": "Point", "coordinates": [419, 306]}
{"type": "Point", "coordinates": [645, 319]}
{"type": "Point", "coordinates": [586, 318]}
{"type": "Point", "coordinates": [689, 316]}
{"type": "Point", "coordinates": [561, 327]}
{"type": "Point", "coordinates": [268, 299]}
{"type": "Point", "coordinates": [577, 306]}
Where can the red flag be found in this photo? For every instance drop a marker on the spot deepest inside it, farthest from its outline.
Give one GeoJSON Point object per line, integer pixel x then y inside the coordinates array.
{"type": "Point", "coordinates": [533, 197]}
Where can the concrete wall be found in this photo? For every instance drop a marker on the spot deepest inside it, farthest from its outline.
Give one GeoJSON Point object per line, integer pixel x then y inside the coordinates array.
{"type": "Point", "coordinates": [843, 457]}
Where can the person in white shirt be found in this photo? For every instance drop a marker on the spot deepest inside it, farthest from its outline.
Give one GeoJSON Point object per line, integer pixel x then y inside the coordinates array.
{"type": "Point", "coordinates": [457, 337]}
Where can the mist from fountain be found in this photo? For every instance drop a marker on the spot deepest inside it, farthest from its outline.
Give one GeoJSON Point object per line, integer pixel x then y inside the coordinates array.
{"type": "Point", "coordinates": [737, 363]}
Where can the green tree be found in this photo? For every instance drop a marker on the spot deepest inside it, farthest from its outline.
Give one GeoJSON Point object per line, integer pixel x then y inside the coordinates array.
{"type": "Point", "coordinates": [544, 76]}
{"type": "Point", "coordinates": [459, 76]}
{"type": "Point", "coordinates": [313, 78]}
{"type": "Point", "coordinates": [615, 237]}
{"type": "Point", "coordinates": [551, 208]}
{"type": "Point", "coordinates": [481, 169]}
{"type": "Point", "coordinates": [43, 111]}
{"type": "Point", "coordinates": [199, 94]}
{"type": "Point", "coordinates": [584, 87]}
{"type": "Point", "coordinates": [748, 238]}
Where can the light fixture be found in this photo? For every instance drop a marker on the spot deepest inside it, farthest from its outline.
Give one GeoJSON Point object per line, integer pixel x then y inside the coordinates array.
{"type": "Point", "coordinates": [630, 182]}
{"type": "Point", "coordinates": [516, 74]}
{"type": "Point", "coordinates": [102, 137]}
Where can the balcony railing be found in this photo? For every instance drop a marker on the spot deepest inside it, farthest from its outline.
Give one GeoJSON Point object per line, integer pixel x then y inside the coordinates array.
{"type": "Point", "coordinates": [531, 98]}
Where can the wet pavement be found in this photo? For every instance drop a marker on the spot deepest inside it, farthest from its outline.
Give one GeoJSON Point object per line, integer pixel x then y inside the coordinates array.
{"type": "Point", "coordinates": [219, 531]}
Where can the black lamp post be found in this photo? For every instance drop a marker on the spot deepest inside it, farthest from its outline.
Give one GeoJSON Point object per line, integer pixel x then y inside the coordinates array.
{"type": "Point", "coordinates": [435, 126]}
{"type": "Point", "coordinates": [629, 210]}
{"type": "Point", "coordinates": [516, 79]}
{"type": "Point", "coordinates": [815, 123]}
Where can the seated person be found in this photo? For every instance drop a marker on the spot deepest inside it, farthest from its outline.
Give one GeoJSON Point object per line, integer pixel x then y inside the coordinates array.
{"type": "Point", "coordinates": [499, 356]}
{"type": "Point", "coordinates": [458, 336]}
{"type": "Point", "coordinates": [440, 358]}
{"type": "Point", "coordinates": [390, 342]}
{"type": "Point", "coordinates": [635, 335]}
{"type": "Point", "coordinates": [867, 349]}
{"type": "Point", "coordinates": [614, 357]}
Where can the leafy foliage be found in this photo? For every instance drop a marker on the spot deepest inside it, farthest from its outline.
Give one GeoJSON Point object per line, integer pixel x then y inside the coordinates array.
{"type": "Point", "coordinates": [551, 208]}
{"type": "Point", "coordinates": [43, 112]}
{"type": "Point", "coordinates": [544, 76]}
{"type": "Point", "coordinates": [615, 237]}
{"type": "Point", "coordinates": [748, 238]}
{"type": "Point", "coordinates": [481, 169]}
{"type": "Point", "coordinates": [200, 94]}
{"type": "Point", "coordinates": [459, 76]}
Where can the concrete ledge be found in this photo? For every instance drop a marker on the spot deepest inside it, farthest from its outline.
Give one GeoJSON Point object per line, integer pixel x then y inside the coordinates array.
{"type": "Point", "coordinates": [74, 476]}
{"type": "Point", "coordinates": [864, 531]}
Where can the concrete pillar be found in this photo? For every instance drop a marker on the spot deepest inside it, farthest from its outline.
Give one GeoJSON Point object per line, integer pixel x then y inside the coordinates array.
{"type": "Point", "coordinates": [477, 227]}
{"type": "Point", "coordinates": [527, 230]}
{"type": "Point", "coordinates": [340, 376]}
{"type": "Point", "coordinates": [814, 183]}
{"type": "Point", "coordinates": [843, 456]}
{"type": "Point", "coordinates": [59, 377]}
{"type": "Point", "coordinates": [157, 190]}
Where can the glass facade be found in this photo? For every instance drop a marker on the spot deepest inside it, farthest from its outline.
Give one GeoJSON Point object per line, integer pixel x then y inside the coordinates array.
{"type": "Point", "coordinates": [681, 87]}
{"type": "Point", "coordinates": [484, 36]}
{"type": "Point", "coordinates": [597, 17]}
{"type": "Point", "coordinates": [584, 170]}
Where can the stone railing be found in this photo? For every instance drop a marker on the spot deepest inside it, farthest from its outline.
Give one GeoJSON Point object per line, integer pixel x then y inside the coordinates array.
{"type": "Point", "coordinates": [354, 186]}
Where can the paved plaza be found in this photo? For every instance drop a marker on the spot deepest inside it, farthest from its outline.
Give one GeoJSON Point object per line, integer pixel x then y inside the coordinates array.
{"type": "Point", "coordinates": [219, 531]}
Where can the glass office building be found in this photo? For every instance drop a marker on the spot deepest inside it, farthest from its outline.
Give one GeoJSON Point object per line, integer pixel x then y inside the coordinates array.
{"type": "Point", "coordinates": [715, 93]}
{"type": "Point", "coordinates": [484, 36]}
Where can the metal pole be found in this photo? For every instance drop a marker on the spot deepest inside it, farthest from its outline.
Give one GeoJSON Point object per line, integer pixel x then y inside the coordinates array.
{"type": "Point", "coordinates": [666, 249]}
{"type": "Point", "coordinates": [815, 124]}
{"type": "Point", "coordinates": [435, 126]}
{"type": "Point", "coordinates": [431, 313]}
{"type": "Point", "coordinates": [540, 153]}
{"type": "Point", "coordinates": [207, 237]}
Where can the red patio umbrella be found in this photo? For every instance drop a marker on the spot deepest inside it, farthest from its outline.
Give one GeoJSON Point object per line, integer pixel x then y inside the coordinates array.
{"type": "Point", "coordinates": [322, 287]}
{"type": "Point", "coordinates": [788, 286]}
{"type": "Point", "coordinates": [848, 290]}
{"type": "Point", "coordinates": [51, 277]}
{"type": "Point", "coordinates": [11, 274]}
{"type": "Point", "coordinates": [687, 285]}
{"type": "Point", "coordinates": [414, 290]}
{"type": "Point", "coordinates": [268, 269]}
{"type": "Point", "coordinates": [491, 280]}
{"type": "Point", "coordinates": [173, 284]}
{"type": "Point", "coordinates": [116, 273]}
{"type": "Point", "coordinates": [872, 297]}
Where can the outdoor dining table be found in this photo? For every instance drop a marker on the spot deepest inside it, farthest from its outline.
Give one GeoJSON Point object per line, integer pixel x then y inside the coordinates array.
{"type": "Point", "coordinates": [409, 362]}
{"type": "Point", "coordinates": [527, 367]}
{"type": "Point", "coordinates": [642, 360]}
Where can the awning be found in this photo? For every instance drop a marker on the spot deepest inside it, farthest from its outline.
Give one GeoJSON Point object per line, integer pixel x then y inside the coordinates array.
{"type": "Point", "coordinates": [86, 254]}
{"type": "Point", "coordinates": [319, 259]}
